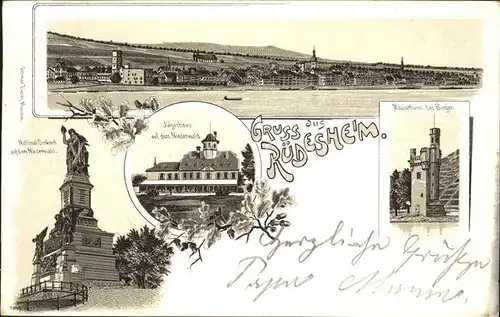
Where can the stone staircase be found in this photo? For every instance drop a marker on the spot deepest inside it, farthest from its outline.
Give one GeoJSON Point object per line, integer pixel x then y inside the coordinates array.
{"type": "Point", "coordinates": [51, 295]}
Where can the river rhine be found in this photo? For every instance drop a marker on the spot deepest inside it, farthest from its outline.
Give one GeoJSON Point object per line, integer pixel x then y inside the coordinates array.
{"type": "Point", "coordinates": [312, 103]}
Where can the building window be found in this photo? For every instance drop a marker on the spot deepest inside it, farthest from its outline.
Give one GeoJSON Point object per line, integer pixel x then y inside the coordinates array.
{"type": "Point", "coordinates": [418, 175]}
{"type": "Point", "coordinates": [218, 175]}
{"type": "Point", "coordinates": [190, 175]}
{"type": "Point", "coordinates": [185, 176]}
{"type": "Point", "coordinates": [225, 175]}
{"type": "Point", "coordinates": [233, 175]}
{"type": "Point", "coordinates": [162, 176]}
{"type": "Point", "coordinates": [198, 175]}
{"type": "Point", "coordinates": [169, 176]}
{"type": "Point", "coordinates": [207, 175]}
{"type": "Point", "coordinates": [176, 176]}
{"type": "Point", "coordinates": [421, 195]}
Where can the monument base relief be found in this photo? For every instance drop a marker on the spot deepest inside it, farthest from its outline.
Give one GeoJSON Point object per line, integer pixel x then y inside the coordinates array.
{"type": "Point", "coordinates": [76, 250]}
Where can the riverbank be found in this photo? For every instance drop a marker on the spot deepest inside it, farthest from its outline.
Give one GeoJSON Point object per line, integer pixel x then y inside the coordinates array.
{"type": "Point", "coordinates": [64, 88]}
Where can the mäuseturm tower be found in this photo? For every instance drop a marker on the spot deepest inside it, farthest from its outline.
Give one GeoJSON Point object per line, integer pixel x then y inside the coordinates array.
{"type": "Point", "coordinates": [425, 169]}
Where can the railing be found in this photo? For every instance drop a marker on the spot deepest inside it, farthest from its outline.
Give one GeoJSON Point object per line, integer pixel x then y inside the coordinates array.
{"type": "Point", "coordinates": [76, 294]}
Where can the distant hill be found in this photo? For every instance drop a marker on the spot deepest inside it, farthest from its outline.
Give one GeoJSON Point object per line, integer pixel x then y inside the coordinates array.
{"type": "Point", "coordinates": [235, 49]}
{"type": "Point", "coordinates": [80, 51]}
{"type": "Point", "coordinates": [449, 181]}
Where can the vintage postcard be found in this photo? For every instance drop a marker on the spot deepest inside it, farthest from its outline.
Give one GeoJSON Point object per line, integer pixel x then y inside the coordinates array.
{"type": "Point", "coordinates": [250, 158]}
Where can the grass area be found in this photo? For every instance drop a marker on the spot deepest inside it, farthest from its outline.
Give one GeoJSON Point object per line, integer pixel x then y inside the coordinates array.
{"type": "Point", "coordinates": [404, 217]}
{"type": "Point", "coordinates": [187, 206]}
{"type": "Point", "coordinates": [120, 298]}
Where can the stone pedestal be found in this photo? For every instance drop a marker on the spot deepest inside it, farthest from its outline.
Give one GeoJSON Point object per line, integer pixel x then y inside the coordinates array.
{"type": "Point", "coordinates": [35, 277]}
{"type": "Point", "coordinates": [94, 251]}
{"type": "Point", "coordinates": [65, 258]}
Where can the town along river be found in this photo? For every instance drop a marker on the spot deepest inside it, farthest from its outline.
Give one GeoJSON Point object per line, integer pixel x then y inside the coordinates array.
{"type": "Point", "coordinates": [281, 103]}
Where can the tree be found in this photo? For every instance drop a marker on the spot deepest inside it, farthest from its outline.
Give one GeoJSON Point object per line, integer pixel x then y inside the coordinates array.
{"type": "Point", "coordinates": [137, 179]}
{"type": "Point", "coordinates": [74, 79]}
{"type": "Point", "coordinates": [394, 196]}
{"type": "Point", "coordinates": [248, 164]}
{"type": "Point", "coordinates": [404, 188]}
{"type": "Point", "coordinates": [115, 78]}
{"type": "Point", "coordinates": [143, 259]}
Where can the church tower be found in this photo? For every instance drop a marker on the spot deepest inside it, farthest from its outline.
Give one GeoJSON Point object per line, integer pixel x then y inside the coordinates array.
{"type": "Point", "coordinates": [117, 61]}
{"type": "Point", "coordinates": [210, 146]}
{"type": "Point", "coordinates": [402, 64]}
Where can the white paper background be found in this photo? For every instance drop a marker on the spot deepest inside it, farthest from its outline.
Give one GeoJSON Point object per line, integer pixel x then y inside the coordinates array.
{"type": "Point", "coordinates": [340, 186]}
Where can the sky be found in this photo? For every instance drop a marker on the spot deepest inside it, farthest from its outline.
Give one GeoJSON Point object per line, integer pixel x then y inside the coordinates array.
{"type": "Point", "coordinates": [410, 129]}
{"type": "Point", "coordinates": [426, 42]}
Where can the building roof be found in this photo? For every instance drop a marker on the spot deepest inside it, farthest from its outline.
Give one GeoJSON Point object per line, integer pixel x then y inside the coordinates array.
{"type": "Point", "coordinates": [164, 166]}
{"type": "Point", "coordinates": [206, 56]}
{"type": "Point", "coordinates": [210, 138]}
{"type": "Point", "coordinates": [224, 161]}
{"type": "Point", "coordinates": [192, 161]}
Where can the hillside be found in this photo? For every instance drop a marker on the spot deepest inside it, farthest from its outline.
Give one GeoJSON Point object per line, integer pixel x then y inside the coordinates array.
{"type": "Point", "coordinates": [449, 181]}
{"type": "Point", "coordinates": [77, 51]}
{"type": "Point", "coordinates": [235, 49]}
{"type": "Point", "coordinates": [80, 51]}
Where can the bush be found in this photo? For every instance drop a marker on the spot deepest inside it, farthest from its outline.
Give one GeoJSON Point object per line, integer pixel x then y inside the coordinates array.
{"type": "Point", "coordinates": [143, 259]}
{"type": "Point", "coordinates": [115, 78]}
{"type": "Point", "coordinates": [222, 192]}
{"type": "Point", "coordinates": [74, 79]}
{"type": "Point", "coordinates": [153, 191]}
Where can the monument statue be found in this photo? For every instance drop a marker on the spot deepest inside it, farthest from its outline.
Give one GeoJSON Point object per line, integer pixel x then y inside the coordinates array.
{"type": "Point", "coordinates": [38, 240]}
{"type": "Point", "coordinates": [77, 156]}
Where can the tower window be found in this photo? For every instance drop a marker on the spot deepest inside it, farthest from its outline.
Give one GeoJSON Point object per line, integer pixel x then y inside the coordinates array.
{"type": "Point", "coordinates": [421, 195]}
{"type": "Point", "coordinates": [418, 175]}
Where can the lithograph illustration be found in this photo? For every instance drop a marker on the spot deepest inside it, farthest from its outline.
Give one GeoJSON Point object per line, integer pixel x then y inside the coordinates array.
{"type": "Point", "coordinates": [239, 158]}
{"type": "Point", "coordinates": [428, 185]}
{"type": "Point", "coordinates": [267, 74]}
{"type": "Point", "coordinates": [78, 261]}
{"type": "Point", "coordinates": [213, 187]}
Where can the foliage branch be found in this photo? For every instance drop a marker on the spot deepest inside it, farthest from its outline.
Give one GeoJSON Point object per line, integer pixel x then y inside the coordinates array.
{"type": "Point", "coordinates": [118, 127]}
{"type": "Point", "coordinates": [261, 211]}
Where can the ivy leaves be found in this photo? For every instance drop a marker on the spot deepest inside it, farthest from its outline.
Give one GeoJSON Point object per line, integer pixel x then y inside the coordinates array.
{"type": "Point", "coordinates": [118, 126]}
